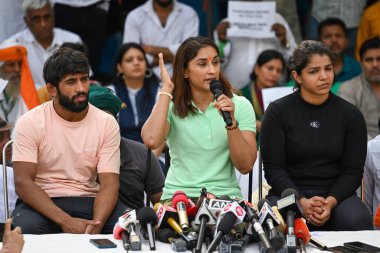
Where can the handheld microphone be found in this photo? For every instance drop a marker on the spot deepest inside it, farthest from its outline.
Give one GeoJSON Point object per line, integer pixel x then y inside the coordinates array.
{"type": "Point", "coordinates": [268, 219]}
{"type": "Point", "coordinates": [288, 204]}
{"type": "Point", "coordinates": [147, 218]}
{"type": "Point", "coordinates": [217, 89]}
{"type": "Point", "coordinates": [224, 227]}
{"type": "Point", "coordinates": [180, 202]}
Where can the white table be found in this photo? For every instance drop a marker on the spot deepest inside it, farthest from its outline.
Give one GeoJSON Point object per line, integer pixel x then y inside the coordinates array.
{"type": "Point", "coordinates": [69, 243]}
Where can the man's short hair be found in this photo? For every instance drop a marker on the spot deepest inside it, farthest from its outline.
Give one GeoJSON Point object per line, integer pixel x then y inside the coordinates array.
{"type": "Point", "coordinates": [63, 62]}
{"type": "Point", "coordinates": [330, 22]}
{"type": "Point", "coordinates": [373, 43]}
{"type": "Point", "coordinates": [35, 4]}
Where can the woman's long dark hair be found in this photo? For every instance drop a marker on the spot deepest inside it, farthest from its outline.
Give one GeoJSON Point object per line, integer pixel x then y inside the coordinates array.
{"type": "Point", "coordinates": [187, 51]}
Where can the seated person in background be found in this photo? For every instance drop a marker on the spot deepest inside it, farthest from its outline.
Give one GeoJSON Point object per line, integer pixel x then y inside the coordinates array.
{"type": "Point", "coordinates": [240, 53]}
{"type": "Point", "coordinates": [13, 240]}
{"type": "Point", "coordinates": [19, 94]}
{"type": "Point", "coordinates": [266, 73]}
{"type": "Point", "coordinates": [372, 179]}
{"type": "Point", "coordinates": [315, 143]}
{"type": "Point", "coordinates": [61, 150]}
{"type": "Point", "coordinates": [136, 85]}
{"type": "Point", "coordinates": [160, 26]}
{"type": "Point", "coordinates": [5, 136]}
{"type": "Point", "coordinates": [333, 33]}
{"type": "Point", "coordinates": [203, 150]}
{"type": "Point", "coordinates": [133, 157]}
{"type": "Point", "coordinates": [41, 39]}
{"type": "Point", "coordinates": [364, 90]}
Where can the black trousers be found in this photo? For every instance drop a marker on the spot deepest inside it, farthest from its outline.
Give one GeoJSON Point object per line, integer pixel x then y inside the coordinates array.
{"type": "Point", "coordinates": [32, 222]}
{"type": "Point", "coordinates": [348, 215]}
{"type": "Point", "coordinates": [90, 23]}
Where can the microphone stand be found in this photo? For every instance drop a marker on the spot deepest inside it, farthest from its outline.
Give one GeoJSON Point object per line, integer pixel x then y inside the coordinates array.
{"type": "Point", "coordinates": [151, 238]}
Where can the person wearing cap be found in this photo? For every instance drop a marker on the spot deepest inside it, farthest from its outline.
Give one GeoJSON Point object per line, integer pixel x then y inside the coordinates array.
{"type": "Point", "coordinates": [133, 157]}
{"type": "Point", "coordinates": [66, 157]}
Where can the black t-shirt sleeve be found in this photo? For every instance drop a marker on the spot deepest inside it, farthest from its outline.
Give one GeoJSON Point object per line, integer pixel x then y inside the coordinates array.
{"type": "Point", "coordinates": [273, 151]}
{"type": "Point", "coordinates": [157, 178]}
{"type": "Point", "coordinates": [353, 159]}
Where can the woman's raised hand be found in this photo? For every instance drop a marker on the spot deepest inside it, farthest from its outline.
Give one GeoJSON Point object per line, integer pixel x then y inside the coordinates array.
{"type": "Point", "coordinates": [167, 84]}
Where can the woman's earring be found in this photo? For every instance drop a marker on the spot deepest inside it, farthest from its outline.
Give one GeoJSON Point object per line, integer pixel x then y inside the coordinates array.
{"type": "Point", "coordinates": [120, 75]}
{"type": "Point", "coordinates": [148, 73]}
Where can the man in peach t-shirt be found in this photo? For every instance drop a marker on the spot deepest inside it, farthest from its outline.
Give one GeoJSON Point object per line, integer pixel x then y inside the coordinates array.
{"type": "Point", "coordinates": [60, 150]}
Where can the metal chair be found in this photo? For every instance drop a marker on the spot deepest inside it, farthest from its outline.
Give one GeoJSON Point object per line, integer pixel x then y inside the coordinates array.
{"type": "Point", "coordinates": [5, 179]}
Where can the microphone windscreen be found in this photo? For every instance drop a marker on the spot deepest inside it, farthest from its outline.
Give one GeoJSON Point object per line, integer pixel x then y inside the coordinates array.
{"type": "Point", "coordinates": [225, 197]}
{"type": "Point", "coordinates": [215, 85]}
{"type": "Point", "coordinates": [261, 203]}
{"type": "Point", "coordinates": [227, 223]}
{"type": "Point", "coordinates": [146, 215]}
{"type": "Point", "coordinates": [288, 192]}
{"type": "Point", "coordinates": [180, 196]}
{"type": "Point", "coordinates": [301, 230]}
{"type": "Point", "coordinates": [376, 217]}
{"type": "Point", "coordinates": [163, 234]}
{"type": "Point", "coordinates": [117, 230]}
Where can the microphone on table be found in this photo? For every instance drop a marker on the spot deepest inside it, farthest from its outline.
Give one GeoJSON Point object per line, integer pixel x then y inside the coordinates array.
{"type": "Point", "coordinates": [302, 233]}
{"type": "Point", "coordinates": [203, 218]}
{"type": "Point", "coordinates": [125, 229]}
{"type": "Point", "coordinates": [288, 205]}
{"type": "Point", "coordinates": [166, 217]}
{"type": "Point", "coordinates": [216, 88]}
{"type": "Point", "coordinates": [147, 218]}
{"type": "Point", "coordinates": [253, 219]}
{"type": "Point", "coordinates": [167, 235]}
{"type": "Point", "coordinates": [180, 202]}
{"type": "Point", "coordinates": [269, 221]}
{"type": "Point", "coordinates": [224, 227]}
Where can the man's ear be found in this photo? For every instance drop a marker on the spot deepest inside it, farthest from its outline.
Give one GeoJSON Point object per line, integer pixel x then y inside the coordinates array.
{"type": "Point", "coordinates": [296, 77]}
{"type": "Point", "coordinates": [52, 90]}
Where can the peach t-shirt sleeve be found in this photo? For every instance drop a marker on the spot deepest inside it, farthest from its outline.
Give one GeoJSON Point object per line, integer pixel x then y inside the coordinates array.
{"type": "Point", "coordinates": [109, 154]}
{"type": "Point", "coordinates": [25, 146]}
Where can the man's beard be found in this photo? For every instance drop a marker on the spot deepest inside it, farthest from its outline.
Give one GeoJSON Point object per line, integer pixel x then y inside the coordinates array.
{"type": "Point", "coordinates": [163, 3]}
{"type": "Point", "coordinates": [70, 104]}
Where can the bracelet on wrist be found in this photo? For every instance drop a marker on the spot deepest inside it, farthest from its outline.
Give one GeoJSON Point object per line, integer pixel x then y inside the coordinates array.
{"type": "Point", "coordinates": [233, 127]}
{"type": "Point", "coordinates": [166, 94]}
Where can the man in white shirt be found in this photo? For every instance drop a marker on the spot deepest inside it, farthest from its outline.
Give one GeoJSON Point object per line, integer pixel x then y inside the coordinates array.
{"type": "Point", "coordinates": [40, 39]}
{"type": "Point", "coordinates": [160, 26]}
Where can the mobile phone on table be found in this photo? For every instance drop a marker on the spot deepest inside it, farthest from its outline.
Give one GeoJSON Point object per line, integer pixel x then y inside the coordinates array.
{"type": "Point", "coordinates": [362, 246]}
{"type": "Point", "coordinates": [342, 249]}
{"type": "Point", "coordinates": [103, 243]}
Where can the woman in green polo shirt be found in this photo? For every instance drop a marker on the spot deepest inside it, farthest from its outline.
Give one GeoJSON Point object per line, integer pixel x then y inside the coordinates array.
{"type": "Point", "coordinates": [203, 150]}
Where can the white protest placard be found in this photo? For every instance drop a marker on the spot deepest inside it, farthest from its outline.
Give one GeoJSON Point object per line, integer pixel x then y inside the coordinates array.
{"type": "Point", "coordinates": [251, 19]}
{"type": "Point", "coordinates": [272, 94]}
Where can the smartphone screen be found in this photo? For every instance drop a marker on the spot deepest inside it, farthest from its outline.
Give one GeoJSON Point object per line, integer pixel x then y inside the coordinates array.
{"type": "Point", "coordinates": [103, 243]}
{"type": "Point", "coordinates": [362, 246]}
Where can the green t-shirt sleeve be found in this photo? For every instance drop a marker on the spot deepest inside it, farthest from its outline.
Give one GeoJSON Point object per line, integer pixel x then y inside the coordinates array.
{"type": "Point", "coordinates": [244, 114]}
